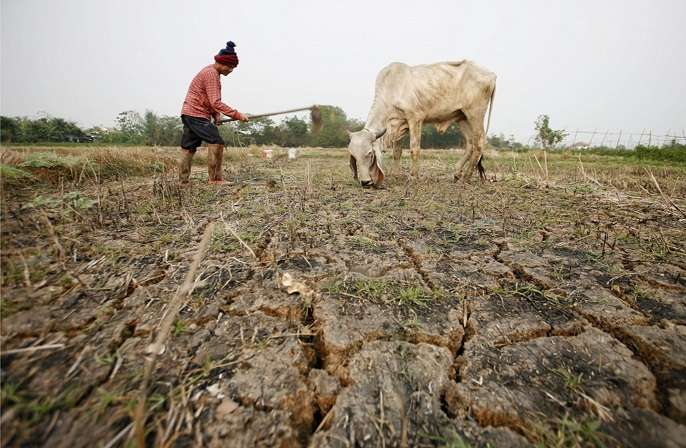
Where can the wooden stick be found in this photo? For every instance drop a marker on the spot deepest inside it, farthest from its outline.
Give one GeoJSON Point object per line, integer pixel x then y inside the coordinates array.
{"type": "Point", "coordinates": [32, 349]}
{"type": "Point", "coordinates": [269, 114]}
{"type": "Point", "coordinates": [157, 348]}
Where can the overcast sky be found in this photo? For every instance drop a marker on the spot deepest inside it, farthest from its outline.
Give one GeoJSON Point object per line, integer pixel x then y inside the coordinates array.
{"type": "Point", "coordinates": [588, 64]}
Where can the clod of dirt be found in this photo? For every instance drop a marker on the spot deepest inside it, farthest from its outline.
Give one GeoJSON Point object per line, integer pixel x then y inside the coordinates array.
{"type": "Point", "coordinates": [662, 305]}
{"type": "Point", "coordinates": [546, 376]}
{"type": "Point", "coordinates": [272, 376]}
{"type": "Point", "coordinates": [269, 301]}
{"type": "Point", "coordinates": [343, 327]}
{"type": "Point", "coordinates": [394, 396]}
{"type": "Point", "coordinates": [604, 309]}
{"type": "Point", "coordinates": [247, 426]}
{"type": "Point", "coordinates": [506, 318]}
{"type": "Point", "coordinates": [664, 349]}
{"type": "Point", "coordinates": [532, 267]}
{"type": "Point", "coordinates": [394, 399]}
{"type": "Point", "coordinates": [645, 428]}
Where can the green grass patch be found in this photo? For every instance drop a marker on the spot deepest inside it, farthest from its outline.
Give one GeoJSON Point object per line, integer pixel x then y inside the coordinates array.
{"type": "Point", "coordinates": [52, 160]}
{"type": "Point", "coordinates": [569, 432]}
{"type": "Point", "coordinates": [409, 295]}
{"type": "Point", "coordinates": [10, 174]}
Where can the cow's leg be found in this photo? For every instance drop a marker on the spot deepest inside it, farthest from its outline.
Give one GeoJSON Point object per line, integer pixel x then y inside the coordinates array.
{"type": "Point", "coordinates": [397, 154]}
{"type": "Point", "coordinates": [415, 127]}
{"type": "Point", "coordinates": [466, 131]}
{"type": "Point", "coordinates": [476, 123]}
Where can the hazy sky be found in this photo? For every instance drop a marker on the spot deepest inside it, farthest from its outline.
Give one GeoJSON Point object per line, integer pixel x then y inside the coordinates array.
{"type": "Point", "coordinates": [588, 64]}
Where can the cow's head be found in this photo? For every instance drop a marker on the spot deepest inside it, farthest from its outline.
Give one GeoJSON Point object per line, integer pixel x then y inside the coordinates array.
{"type": "Point", "coordinates": [365, 157]}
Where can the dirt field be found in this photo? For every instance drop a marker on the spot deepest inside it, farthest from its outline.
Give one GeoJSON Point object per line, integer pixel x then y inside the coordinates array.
{"type": "Point", "coordinates": [544, 307]}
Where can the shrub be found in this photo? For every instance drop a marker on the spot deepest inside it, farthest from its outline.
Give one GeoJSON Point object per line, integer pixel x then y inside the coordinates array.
{"type": "Point", "coordinates": [673, 153]}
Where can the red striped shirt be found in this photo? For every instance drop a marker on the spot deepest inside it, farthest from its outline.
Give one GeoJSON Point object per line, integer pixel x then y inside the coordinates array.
{"type": "Point", "coordinates": [204, 97]}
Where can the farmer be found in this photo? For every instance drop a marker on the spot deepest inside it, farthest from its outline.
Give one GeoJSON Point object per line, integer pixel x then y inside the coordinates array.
{"type": "Point", "coordinates": [203, 102]}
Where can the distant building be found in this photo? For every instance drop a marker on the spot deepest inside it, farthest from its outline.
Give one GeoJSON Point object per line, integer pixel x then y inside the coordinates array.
{"type": "Point", "coordinates": [79, 138]}
{"type": "Point", "coordinates": [579, 145]}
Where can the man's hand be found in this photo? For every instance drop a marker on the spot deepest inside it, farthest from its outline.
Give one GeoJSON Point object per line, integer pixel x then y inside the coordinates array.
{"type": "Point", "coordinates": [241, 117]}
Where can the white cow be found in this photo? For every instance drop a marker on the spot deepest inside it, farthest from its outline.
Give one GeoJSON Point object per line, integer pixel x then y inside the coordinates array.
{"type": "Point", "coordinates": [406, 97]}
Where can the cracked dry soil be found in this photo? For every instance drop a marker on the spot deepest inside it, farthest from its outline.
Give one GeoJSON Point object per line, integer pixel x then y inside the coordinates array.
{"type": "Point", "coordinates": [430, 313]}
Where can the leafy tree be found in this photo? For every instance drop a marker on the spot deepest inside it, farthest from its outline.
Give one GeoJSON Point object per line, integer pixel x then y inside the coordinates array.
{"type": "Point", "coordinates": [258, 131]}
{"type": "Point", "coordinates": [170, 130]}
{"type": "Point", "coordinates": [451, 138]}
{"type": "Point", "coordinates": [502, 142]}
{"type": "Point", "coordinates": [151, 128]}
{"type": "Point", "coordinates": [9, 129]}
{"type": "Point", "coordinates": [334, 126]}
{"type": "Point", "coordinates": [295, 132]}
{"type": "Point", "coordinates": [546, 136]}
{"type": "Point", "coordinates": [130, 128]}
{"type": "Point", "coordinates": [44, 129]}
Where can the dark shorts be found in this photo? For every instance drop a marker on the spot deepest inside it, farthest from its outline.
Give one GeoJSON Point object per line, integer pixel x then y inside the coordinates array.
{"type": "Point", "coordinates": [196, 130]}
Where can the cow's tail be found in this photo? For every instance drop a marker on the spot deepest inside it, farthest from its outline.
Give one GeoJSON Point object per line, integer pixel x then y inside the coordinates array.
{"type": "Point", "coordinates": [479, 166]}
{"type": "Point", "coordinates": [490, 109]}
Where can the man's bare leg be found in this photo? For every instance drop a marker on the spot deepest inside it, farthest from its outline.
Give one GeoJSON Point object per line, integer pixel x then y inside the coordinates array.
{"type": "Point", "coordinates": [185, 165]}
{"type": "Point", "coordinates": [215, 157]}
{"type": "Point", "coordinates": [219, 173]}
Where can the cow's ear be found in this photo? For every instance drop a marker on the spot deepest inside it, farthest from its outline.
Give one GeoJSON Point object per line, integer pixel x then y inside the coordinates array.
{"type": "Point", "coordinates": [376, 169]}
{"type": "Point", "coordinates": [353, 166]}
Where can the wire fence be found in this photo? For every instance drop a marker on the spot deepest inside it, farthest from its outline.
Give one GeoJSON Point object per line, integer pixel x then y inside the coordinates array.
{"type": "Point", "coordinates": [617, 139]}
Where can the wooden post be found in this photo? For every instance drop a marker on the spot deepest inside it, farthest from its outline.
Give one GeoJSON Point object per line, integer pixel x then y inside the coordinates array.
{"type": "Point", "coordinates": [650, 137]}
{"type": "Point", "coordinates": [618, 138]}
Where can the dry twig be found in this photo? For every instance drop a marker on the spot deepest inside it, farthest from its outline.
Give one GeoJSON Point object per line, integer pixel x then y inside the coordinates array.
{"type": "Point", "coordinates": [664, 196]}
{"type": "Point", "coordinates": [233, 232]}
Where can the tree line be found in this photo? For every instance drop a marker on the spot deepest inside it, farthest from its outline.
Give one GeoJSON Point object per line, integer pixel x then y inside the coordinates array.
{"type": "Point", "coordinates": [151, 129]}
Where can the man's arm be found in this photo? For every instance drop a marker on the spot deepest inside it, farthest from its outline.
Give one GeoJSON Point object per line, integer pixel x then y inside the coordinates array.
{"type": "Point", "coordinates": [213, 89]}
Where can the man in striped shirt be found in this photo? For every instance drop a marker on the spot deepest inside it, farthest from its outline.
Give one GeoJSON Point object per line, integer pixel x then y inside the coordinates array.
{"type": "Point", "coordinates": [203, 103]}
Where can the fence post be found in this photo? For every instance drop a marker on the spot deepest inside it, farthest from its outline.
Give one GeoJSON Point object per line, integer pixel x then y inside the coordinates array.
{"type": "Point", "coordinates": [618, 138]}
{"type": "Point", "coordinates": [650, 136]}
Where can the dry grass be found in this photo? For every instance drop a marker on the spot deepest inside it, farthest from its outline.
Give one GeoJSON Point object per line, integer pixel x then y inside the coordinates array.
{"type": "Point", "coordinates": [91, 266]}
